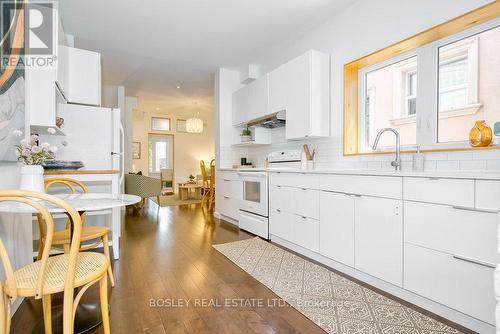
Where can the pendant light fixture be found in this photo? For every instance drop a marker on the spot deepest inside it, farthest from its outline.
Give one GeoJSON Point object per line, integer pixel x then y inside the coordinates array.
{"type": "Point", "coordinates": [194, 124]}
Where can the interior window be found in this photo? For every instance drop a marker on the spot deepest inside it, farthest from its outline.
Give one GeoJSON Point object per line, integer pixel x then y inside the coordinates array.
{"type": "Point", "coordinates": [390, 101]}
{"type": "Point", "coordinates": [160, 124]}
{"type": "Point", "coordinates": [468, 84]}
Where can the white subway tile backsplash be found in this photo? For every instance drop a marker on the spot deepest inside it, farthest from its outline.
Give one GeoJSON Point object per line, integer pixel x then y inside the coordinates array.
{"type": "Point", "coordinates": [493, 165]}
{"type": "Point", "coordinates": [329, 154]}
{"type": "Point", "coordinates": [472, 165]}
{"type": "Point", "coordinates": [447, 165]}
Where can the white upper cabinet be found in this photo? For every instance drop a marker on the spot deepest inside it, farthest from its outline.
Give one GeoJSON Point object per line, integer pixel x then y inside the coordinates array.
{"type": "Point", "coordinates": [301, 87]}
{"type": "Point", "coordinates": [251, 101]}
{"type": "Point", "coordinates": [84, 76]}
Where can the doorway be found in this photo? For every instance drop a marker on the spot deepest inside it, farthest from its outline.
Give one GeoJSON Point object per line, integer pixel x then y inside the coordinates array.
{"type": "Point", "coordinates": [160, 153]}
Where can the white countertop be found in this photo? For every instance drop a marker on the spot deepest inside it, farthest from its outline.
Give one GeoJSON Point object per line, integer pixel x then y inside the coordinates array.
{"type": "Point", "coordinates": [428, 174]}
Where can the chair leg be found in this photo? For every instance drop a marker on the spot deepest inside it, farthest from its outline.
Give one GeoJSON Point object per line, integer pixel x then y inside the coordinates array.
{"type": "Point", "coordinates": [103, 293]}
{"type": "Point", "coordinates": [105, 244]}
{"type": "Point", "coordinates": [47, 313]}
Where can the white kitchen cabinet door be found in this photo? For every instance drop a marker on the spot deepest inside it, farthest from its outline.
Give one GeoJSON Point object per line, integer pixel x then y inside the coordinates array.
{"type": "Point", "coordinates": [379, 238]}
{"type": "Point", "coordinates": [308, 96]}
{"type": "Point", "coordinates": [280, 224]}
{"type": "Point", "coordinates": [84, 77]}
{"type": "Point", "coordinates": [278, 88]}
{"type": "Point", "coordinates": [63, 69]}
{"type": "Point", "coordinates": [251, 101]}
{"type": "Point", "coordinates": [40, 96]}
{"type": "Point", "coordinates": [241, 101]}
{"type": "Point", "coordinates": [337, 227]}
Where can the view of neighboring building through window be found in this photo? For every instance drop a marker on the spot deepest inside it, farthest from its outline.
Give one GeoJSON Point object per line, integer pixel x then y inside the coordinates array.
{"type": "Point", "coordinates": [467, 81]}
{"type": "Point", "coordinates": [390, 101]}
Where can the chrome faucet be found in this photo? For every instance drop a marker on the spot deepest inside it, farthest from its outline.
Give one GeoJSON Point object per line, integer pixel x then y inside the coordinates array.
{"type": "Point", "coordinates": [396, 163]}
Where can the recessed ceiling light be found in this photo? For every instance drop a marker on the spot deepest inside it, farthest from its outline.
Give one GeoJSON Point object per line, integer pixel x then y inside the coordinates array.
{"type": "Point", "coordinates": [157, 108]}
{"type": "Point", "coordinates": [178, 87]}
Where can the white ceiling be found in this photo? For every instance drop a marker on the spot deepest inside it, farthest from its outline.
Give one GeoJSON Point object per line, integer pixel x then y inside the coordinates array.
{"type": "Point", "coordinates": [151, 46]}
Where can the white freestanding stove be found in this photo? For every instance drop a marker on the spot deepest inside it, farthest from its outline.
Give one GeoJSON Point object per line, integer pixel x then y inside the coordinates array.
{"type": "Point", "coordinates": [254, 202]}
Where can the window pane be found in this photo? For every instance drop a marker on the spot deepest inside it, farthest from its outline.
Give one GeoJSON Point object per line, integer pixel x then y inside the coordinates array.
{"type": "Point", "coordinates": [391, 101]}
{"type": "Point", "coordinates": [469, 82]}
{"type": "Point", "coordinates": [160, 124]}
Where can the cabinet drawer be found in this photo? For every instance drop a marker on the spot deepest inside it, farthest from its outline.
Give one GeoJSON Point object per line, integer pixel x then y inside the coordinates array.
{"type": "Point", "coordinates": [461, 285]}
{"type": "Point", "coordinates": [380, 186]}
{"type": "Point", "coordinates": [299, 180]}
{"type": "Point", "coordinates": [227, 206]}
{"type": "Point", "coordinates": [436, 190]}
{"type": "Point", "coordinates": [452, 230]}
{"type": "Point", "coordinates": [226, 175]}
{"type": "Point", "coordinates": [305, 232]}
{"type": "Point", "coordinates": [229, 188]}
{"type": "Point", "coordinates": [299, 230]}
{"type": "Point", "coordinates": [488, 194]}
{"type": "Point", "coordinates": [300, 201]}
{"type": "Point", "coordinates": [280, 224]}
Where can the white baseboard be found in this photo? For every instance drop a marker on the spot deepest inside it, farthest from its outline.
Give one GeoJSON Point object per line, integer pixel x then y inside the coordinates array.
{"type": "Point", "coordinates": [427, 304]}
{"type": "Point", "coordinates": [226, 218]}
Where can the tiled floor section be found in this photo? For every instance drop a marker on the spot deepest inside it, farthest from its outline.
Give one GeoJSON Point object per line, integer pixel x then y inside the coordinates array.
{"type": "Point", "coordinates": [334, 303]}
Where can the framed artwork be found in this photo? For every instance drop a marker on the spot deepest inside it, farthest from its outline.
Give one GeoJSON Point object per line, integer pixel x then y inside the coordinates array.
{"type": "Point", "coordinates": [181, 125]}
{"type": "Point", "coordinates": [136, 150]}
{"type": "Point", "coordinates": [160, 124]}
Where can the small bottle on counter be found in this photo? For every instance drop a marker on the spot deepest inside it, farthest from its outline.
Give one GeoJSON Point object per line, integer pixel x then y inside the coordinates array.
{"type": "Point", "coordinates": [418, 161]}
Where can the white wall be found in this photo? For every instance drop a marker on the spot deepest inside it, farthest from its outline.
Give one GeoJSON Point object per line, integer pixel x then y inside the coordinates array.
{"type": "Point", "coordinates": [365, 27]}
{"type": "Point", "coordinates": [189, 148]}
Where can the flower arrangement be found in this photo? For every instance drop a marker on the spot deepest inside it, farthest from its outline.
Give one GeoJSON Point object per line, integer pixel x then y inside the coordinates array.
{"type": "Point", "coordinates": [30, 152]}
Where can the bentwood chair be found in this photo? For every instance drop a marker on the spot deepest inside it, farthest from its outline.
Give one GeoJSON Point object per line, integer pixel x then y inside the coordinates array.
{"type": "Point", "coordinates": [205, 183]}
{"type": "Point", "coordinates": [211, 199]}
{"type": "Point", "coordinates": [62, 239]}
{"type": "Point", "coordinates": [50, 275]}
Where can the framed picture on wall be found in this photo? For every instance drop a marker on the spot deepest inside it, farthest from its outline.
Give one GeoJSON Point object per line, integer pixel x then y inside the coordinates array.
{"type": "Point", "coordinates": [181, 125]}
{"type": "Point", "coordinates": [136, 150]}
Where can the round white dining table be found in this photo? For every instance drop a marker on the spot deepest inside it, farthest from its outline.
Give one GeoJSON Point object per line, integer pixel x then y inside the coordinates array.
{"type": "Point", "coordinates": [88, 315]}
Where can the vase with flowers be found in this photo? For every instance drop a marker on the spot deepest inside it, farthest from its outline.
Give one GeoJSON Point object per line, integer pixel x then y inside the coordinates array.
{"type": "Point", "coordinates": [32, 154]}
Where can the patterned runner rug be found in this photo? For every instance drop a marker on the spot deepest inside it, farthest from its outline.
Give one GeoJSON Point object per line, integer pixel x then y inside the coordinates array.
{"type": "Point", "coordinates": [333, 302]}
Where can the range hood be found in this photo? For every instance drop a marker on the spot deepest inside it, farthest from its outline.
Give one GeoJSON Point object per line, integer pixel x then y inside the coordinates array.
{"type": "Point", "coordinates": [274, 120]}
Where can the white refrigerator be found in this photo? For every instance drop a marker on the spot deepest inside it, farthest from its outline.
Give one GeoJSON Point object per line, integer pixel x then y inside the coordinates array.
{"type": "Point", "coordinates": [94, 136]}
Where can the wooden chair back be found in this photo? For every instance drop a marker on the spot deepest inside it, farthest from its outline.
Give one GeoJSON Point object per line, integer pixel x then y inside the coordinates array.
{"type": "Point", "coordinates": [32, 199]}
{"type": "Point", "coordinates": [204, 174]}
{"type": "Point", "coordinates": [167, 175]}
{"type": "Point", "coordinates": [69, 183]}
{"type": "Point", "coordinates": [72, 185]}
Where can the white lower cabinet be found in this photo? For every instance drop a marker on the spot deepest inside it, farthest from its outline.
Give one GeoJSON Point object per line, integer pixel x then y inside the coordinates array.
{"type": "Point", "coordinates": [454, 282]}
{"type": "Point", "coordinates": [227, 196]}
{"type": "Point", "coordinates": [337, 227]}
{"type": "Point", "coordinates": [379, 238]}
{"type": "Point", "coordinates": [300, 230]}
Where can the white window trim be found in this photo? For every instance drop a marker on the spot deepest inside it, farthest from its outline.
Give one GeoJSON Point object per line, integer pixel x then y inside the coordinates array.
{"type": "Point", "coordinates": [427, 87]}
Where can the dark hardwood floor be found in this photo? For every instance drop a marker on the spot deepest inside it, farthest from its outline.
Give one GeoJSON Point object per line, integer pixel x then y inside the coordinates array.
{"type": "Point", "coordinates": [169, 256]}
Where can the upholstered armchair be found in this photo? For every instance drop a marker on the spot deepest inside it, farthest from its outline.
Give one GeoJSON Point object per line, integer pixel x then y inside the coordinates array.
{"type": "Point", "coordinates": [143, 186]}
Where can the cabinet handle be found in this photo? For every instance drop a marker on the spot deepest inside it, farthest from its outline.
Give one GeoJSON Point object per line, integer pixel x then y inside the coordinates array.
{"type": "Point", "coordinates": [356, 195]}
{"type": "Point", "coordinates": [227, 180]}
{"type": "Point", "coordinates": [464, 208]}
{"type": "Point", "coordinates": [304, 217]}
{"type": "Point", "coordinates": [278, 210]}
{"type": "Point", "coordinates": [226, 197]}
{"type": "Point", "coordinates": [481, 263]}
{"type": "Point", "coordinates": [278, 186]}
{"type": "Point", "coordinates": [304, 188]}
